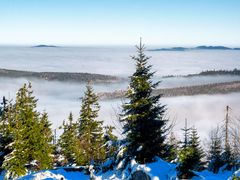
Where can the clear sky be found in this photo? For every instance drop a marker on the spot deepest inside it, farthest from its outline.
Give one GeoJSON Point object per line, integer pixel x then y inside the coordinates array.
{"type": "Point", "coordinates": [119, 22]}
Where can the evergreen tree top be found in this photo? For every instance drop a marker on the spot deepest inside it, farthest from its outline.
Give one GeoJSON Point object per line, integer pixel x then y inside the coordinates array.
{"type": "Point", "coordinates": [90, 105]}
{"type": "Point", "coordinates": [194, 138]}
{"type": "Point", "coordinates": [186, 132]}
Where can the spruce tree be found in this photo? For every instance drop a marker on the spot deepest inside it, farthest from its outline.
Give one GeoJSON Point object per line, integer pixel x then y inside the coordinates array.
{"type": "Point", "coordinates": [215, 150]}
{"type": "Point", "coordinates": [30, 147]}
{"type": "Point", "coordinates": [68, 140]}
{"type": "Point", "coordinates": [143, 116]}
{"type": "Point", "coordinates": [15, 162]}
{"type": "Point", "coordinates": [197, 161]}
{"type": "Point", "coordinates": [185, 166]}
{"type": "Point", "coordinates": [190, 156]}
{"type": "Point", "coordinates": [90, 131]}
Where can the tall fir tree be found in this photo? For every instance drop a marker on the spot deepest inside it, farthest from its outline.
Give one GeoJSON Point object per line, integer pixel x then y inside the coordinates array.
{"type": "Point", "coordinates": [143, 116]}
{"type": "Point", "coordinates": [90, 131]}
{"type": "Point", "coordinates": [68, 141]}
{"type": "Point", "coordinates": [28, 137]}
{"type": "Point", "coordinates": [198, 163]}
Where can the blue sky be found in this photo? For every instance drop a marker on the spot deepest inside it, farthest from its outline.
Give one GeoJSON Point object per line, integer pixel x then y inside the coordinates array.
{"type": "Point", "coordinates": [120, 22]}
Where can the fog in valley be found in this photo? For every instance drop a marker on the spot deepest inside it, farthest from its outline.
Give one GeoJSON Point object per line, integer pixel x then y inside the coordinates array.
{"type": "Point", "coordinates": [61, 98]}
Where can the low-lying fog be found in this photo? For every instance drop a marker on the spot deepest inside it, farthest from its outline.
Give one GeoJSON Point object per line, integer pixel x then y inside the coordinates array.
{"type": "Point", "coordinates": [114, 60]}
{"type": "Point", "coordinates": [58, 99]}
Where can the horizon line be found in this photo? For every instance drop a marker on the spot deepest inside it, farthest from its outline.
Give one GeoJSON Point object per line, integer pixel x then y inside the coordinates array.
{"type": "Point", "coordinates": [108, 45]}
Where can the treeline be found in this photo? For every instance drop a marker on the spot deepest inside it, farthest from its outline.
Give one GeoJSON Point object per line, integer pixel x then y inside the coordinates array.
{"type": "Point", "coordinates": [26, 140]}
{"type": "Point", "coordinates": [220, 72]}
{"type": "Point", "coordinates": [215, 88]}
{"type": "Point", "coordinates": [59, 76]}
{"type": "Point", "coordinates": [234, 72]}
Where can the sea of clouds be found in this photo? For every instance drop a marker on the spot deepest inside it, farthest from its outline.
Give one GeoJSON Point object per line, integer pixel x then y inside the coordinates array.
{"type": "Point", "coordinates": [60, 98]}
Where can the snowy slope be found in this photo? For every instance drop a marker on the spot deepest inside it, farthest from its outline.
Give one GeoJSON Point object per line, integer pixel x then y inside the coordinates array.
{"type": "Point", "coordinates": [159, 170]}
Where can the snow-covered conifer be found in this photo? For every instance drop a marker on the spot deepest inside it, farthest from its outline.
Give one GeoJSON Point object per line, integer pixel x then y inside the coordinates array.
{"type": "Point", "coordinates": [143, 116]}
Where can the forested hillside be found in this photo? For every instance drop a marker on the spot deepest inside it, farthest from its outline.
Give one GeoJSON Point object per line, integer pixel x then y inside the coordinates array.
{"type": "Point", "coordinates": [58, 76]}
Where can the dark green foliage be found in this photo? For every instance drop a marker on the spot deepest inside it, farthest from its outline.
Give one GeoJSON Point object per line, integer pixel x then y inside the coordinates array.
{"type": "Point", "coordinates": [215, 160]}
{"type": "Point", "coordinates": [190, 157]}
{"type": "Point", "coordinates": [185, 167]}
{"type": "Point", "coordinates": [90, 132]}
{"type": "Point", "coordinates": [68, 139]}
{"type": "Point", "coordinates": [85, 142]}
{"type": "Point", "coordinates": [197, 161]}
{"type": "Point", "coordinates": [145, 126]}
{"type": "Point", "coordinates": [31, 148]}
{"type": "Point", "coordinates": [45, 146]}
{"type": "Point", "coordinates": [5, 133]}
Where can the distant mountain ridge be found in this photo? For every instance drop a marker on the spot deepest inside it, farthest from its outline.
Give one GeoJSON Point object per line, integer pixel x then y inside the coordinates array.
{"type": "Point", "coordinates": [195, 48]}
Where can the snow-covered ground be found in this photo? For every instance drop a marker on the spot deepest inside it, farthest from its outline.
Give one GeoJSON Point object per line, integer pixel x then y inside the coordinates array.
{"type": "Point", "coordinates": [159, 170]}
{"type": "Point", "coordinates": [59, 174]}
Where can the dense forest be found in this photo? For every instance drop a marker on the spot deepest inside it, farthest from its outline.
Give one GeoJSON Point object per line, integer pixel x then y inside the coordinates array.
{"type": "Point", "coordinates": [28, 145]}
{"type": "Point", "coordinates": [235, 72]}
